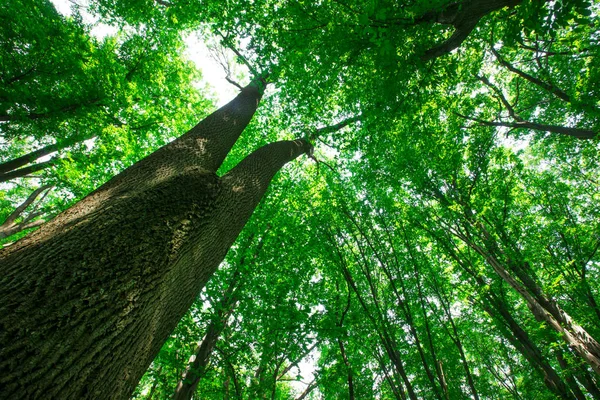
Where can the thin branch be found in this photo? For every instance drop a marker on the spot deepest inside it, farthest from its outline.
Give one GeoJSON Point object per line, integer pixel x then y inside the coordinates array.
{"type": "Point", "coordinates": [311, 386]}
{"type": "Point", "coordinates": [227, 42]}
{"type": "Point", "coordinates": [9, 227]}
{"type": "Point", "coordinates": [335, 127]}
{"type": "Point", "coordinates": [23, 172]}
{"type": "Point", "coordinates": [234, 83]}
{"type": "Point", "coordinates": [538, 82]}
{"type": "Point", "coordinates": [500, 96]}
{"type": "Point", "coordinates": [523, 124]}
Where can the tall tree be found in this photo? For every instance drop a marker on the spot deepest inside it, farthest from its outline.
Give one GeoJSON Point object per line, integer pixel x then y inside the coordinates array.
{"type": "Point", "coordinates": [88, 300]}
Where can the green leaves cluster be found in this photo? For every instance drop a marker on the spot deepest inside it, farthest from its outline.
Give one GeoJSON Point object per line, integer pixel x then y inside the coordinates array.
{"type": "Point", "coordinates": [79, 109]}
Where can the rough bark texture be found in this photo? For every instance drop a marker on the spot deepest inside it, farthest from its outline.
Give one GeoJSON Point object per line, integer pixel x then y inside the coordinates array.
{"type": "Point", "coordinates": [87, 301]}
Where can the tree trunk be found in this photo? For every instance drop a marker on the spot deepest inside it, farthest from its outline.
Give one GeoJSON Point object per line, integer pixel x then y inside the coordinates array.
{"type": "Point", "coordinates": [87, 300]}
{"type": "Point", "coordinates": [519, 338]}
{"type": "Point", "coordinates": [21, 172]}
{"type": "Point", "coordinates": [199, 361]}
{"type": "Point", "coordinates": [11, 165]}
{"type": "Point", "coordinates": [348, 368]}
{"type": "Point", "coordinates": [10, 226]}
{"type": "Point", "coordinates": [197, 366]}
{"type": "Point", "coordinates": [497, 309]}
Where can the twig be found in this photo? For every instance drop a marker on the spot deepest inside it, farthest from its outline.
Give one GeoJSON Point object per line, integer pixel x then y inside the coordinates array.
{"type": "Point", "coordinates": [234, 83]}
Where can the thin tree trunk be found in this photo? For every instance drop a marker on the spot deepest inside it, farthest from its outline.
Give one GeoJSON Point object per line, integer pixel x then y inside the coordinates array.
{"type": "Point", "coordinates": [543, 308]}
{"type": "Point", "coordinates": [397, 390]}
{"type": "Point", "coordinates": [199, 361]}
{"type": "Point", "coordinates": [32, 156]}
{"type": "Point", "coordinates": [509, 327]}
{"type": "Point", "coordinates": [521, 341]}
{"type": "Point", "coordinates": [22, 172]}
{"type": "Point", "coordinates": [569, 377]}
{"type": "Point", "coordinates": [550, 312]}
{"type": "Point", "coordinates": [87, 300]}
{"type": "Point", "coordinates": [591, 385]}
{"type": "Point", "coordinates": [402, 304]}
{"type": "Point", "coordinates": [349, 369]}
{"type": "Point", "coordinates": [236, 383]}
{"type": "Point", "coordinates": [455, 337]}
{"type": "Point", "coordinates": [10, 226]}
{"type": "Point", "coordinates": [386, 340]}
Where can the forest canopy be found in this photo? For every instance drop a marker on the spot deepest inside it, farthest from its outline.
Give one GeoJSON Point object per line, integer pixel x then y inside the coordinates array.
{"type": "Point", "coordinates": [441, 242]}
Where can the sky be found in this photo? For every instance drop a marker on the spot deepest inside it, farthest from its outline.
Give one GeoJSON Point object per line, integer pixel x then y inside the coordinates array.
{"type": "Point", "coordinates": [213, 73]}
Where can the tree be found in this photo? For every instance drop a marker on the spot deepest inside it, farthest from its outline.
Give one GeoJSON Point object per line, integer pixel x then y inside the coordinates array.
{"type": "Point", "coordinates": [69, 99]}
{"type": "Point", "coordinates": [446, 214]}
{"type": "Point", "coordinates": [128, 261]}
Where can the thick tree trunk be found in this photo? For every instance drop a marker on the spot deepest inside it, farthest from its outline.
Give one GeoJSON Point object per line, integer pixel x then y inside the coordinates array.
{"type": "Point", "coordinates": [87, 301]}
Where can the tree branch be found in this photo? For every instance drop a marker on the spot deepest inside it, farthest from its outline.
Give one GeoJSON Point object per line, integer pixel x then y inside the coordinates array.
{"type": "Point", "coordinates": [523, 124]}
{"type": "Point", "coordinates": [9, 227]}
{"type": "Point", "coordinates": [464, 16]}
{"type": "Point", "coordinates": [538, 82]}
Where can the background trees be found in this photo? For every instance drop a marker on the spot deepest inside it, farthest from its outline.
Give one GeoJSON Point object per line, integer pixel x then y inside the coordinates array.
{"type": "Point", "coordinates": [444, 245]}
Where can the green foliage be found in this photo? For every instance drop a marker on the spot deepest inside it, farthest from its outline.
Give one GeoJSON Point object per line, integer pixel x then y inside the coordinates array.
{"type": "Point", "coordinates": [102, 104]}
{"type": "Point", "coordinates": [403, 262]}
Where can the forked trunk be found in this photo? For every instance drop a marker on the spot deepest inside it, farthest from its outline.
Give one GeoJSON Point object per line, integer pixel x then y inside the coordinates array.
{"type": "Point", "coordinates": [87, 301]}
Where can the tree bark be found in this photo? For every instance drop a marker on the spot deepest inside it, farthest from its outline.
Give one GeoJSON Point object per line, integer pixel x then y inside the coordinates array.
{"type": "Point", "coordinates": [348, 369]}
{"type": "Point", "coordinates": [519, 338]}
{"type": "Point", "coordinates": [199, 361]}
{"type": "Point", "coordinates": [510, 328]}
{"type": "Point", "coordinates": [538, 82]}
{"type": "Point", "coordinates": [464, 17]}
{"type": "Point", "coordinates": [87, 300]}
{"type": "Point", "coordinates": [311, 386]}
